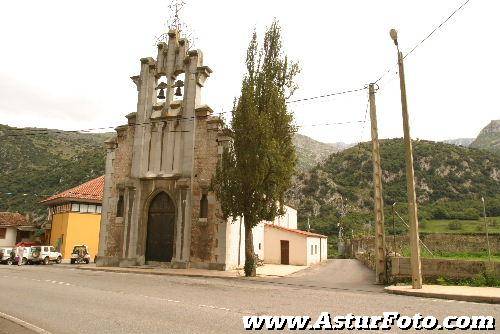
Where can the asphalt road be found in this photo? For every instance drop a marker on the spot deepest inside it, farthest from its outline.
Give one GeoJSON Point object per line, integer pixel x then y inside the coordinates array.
{"type": "Point", "coordinates": [9, 327]}
{"type": "Point", "coordinates": [62, 299]}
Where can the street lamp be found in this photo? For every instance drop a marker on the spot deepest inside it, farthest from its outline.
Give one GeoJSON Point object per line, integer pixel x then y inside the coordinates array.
{"type": "Point", "coordinates": [416, 266]}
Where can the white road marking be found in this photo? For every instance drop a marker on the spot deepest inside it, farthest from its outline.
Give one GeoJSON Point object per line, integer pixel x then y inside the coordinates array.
{"type": "Point", "coordinates": [214, 307]}
{"type": "Point", "coordinates": [24, 324]}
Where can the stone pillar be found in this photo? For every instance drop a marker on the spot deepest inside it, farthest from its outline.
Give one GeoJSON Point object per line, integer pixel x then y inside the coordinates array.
{"type": "Point", "coordinates": [146, 87]}
{"type": "Point", "coordinates": [168, 148]}
{"type": "Point", "coordinates": [181, 256]}
{"type": "Point", "coordinates": [155, 153]}
{"type": "Point", "coordinates": [135, 219]}
{"type": "Point", "coordinates": [106, 199]}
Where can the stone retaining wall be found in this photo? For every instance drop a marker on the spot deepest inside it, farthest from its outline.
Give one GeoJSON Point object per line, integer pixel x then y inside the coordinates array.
{"type": "Point", "coordinates": [399, 267]}
{"type": "Point", "coordinates": [367, 258]}
{"type": "Point", "coordinates": [445, 242]}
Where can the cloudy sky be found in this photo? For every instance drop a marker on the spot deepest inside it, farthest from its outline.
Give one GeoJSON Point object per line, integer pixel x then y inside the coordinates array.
{"type": "Point", "coordinates": [66, 64]}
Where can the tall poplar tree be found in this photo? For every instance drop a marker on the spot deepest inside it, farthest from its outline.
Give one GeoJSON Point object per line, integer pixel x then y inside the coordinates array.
{"type": "Point", "coordinates": [257, 166]}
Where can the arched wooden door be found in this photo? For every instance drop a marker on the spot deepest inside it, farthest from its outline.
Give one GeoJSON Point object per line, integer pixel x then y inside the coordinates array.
{"type": "Point", "coordinates": [160, 234]}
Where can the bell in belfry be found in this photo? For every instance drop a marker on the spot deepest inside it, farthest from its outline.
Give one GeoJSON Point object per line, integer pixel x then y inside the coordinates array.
{"type": "Point", "coordinates": [178, 84]}
{"type": "Point", "coordinates": [161, 87]}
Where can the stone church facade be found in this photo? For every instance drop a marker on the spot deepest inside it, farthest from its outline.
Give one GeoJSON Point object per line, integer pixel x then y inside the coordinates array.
{"type": "Point", "coordinates": [157, 205]}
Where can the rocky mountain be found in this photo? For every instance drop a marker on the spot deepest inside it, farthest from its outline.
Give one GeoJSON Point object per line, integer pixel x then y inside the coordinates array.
{"type": "Point", "coordinates": [459, 141]}
{"type": "Point", "coordinates": [310, 152]}
{"type": "Point", "coordinates": [489, 137]}
{"type": "Point", "coordinates": [36, 163]}
{"type": "Point", "coordinates": [443, 172]}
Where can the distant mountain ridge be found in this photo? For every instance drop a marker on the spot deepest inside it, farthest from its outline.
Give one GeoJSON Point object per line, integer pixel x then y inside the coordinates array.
{"type": "Point", "coordinates": [489, 137]}
{"type": "Point", "coordinates": [460, 141]}
{"type": "Point", "coordinates": [310, 152]}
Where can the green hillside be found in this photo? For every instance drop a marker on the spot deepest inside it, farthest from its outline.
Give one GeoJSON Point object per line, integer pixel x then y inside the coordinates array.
{"type": "Point", "coordinates": [36, 163]}
{"type": "Point", "coordinates": [41, 162]}
{"type": "Point", "coordinates": [457, 176]}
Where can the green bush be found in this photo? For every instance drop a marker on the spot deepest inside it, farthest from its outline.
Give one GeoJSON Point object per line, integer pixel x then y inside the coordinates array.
{"type": "Point", "coordinates": [440, 213]}
{"type": "Point", "coordinates": [483, 279]}
{"type": "Point", "coordinates": [455, 225]}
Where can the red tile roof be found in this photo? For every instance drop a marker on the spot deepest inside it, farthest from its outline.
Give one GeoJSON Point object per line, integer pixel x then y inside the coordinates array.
{"type": "Point", "coordinates": [12, 219]}
{"type": "Point", "coordinates": [90, 191]}
{"type": "Point", "coordinates": [304, 233]}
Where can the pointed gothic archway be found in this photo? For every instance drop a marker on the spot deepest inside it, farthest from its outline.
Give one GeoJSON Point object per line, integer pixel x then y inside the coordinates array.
{"type": "Point", "coordinates": [160, 233]}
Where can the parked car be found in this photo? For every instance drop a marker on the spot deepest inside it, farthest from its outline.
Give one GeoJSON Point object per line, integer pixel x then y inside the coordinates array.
{"type": "Point", "coordinates": [80, 254]}
{"type": "Point", "coordinates": [45, 255]}
{"type": "Point", "coordinates": [5, 255]}
{"type": "Point", "coordinates": [24, 257]}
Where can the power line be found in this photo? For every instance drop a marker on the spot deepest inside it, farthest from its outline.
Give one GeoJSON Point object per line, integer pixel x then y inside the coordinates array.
{"type": "Point", "coordinates": [328, 95]}
{"type": "Point", "coordinates": [437, 28]}
{"type": "Point", "coordinates": [423, 40]}
{"type": "Point", "coordinates": [330, 123]}
{"type": "Point", "coordinates": [90, 130]}
{"type": "Point", "coordinates": [36, 131]}
{"type": "Point", "coordinates": [65, 132]}
{"type": "Point", "coordinates": [364, 124]}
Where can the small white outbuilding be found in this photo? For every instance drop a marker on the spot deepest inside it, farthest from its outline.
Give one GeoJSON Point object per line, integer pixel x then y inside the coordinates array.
{"type": "Point", "coordinates": [291, 246]}
{"type": "Point", "coordinates": [277, 242]}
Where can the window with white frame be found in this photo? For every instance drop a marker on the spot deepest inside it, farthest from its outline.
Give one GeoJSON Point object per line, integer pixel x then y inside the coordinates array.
{"type": "Point", "coordinates": [91, 208]}
{"type": "Point", "coordinates": [84, 207]}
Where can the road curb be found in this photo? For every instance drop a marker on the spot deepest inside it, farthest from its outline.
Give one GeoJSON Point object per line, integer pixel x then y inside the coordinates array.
{"type": "Point", "coordinates": [448, 296]}
{"type": "Point", "coordinates": [24, 324]}
{"type": "Point", "coordinates": [158, 273]}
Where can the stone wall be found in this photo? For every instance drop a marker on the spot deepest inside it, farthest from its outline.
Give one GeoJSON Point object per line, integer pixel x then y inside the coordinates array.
{"type": "Point", "coordinates": [120, 170]}
{"type": "Point", "coordinates": [367, 258]}
{"type": "Point", "coordinates": [445, 242]}
{"type": "Point", "coordinates": [399, 268]}
{"type": "Point", "coordinates": [206, 233]}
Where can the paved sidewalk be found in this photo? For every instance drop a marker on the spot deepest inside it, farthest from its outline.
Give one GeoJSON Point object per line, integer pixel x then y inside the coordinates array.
{"type": "Point", "coordinates": [464, 293]}
{"type": "Point", "coordinates": [267, 270]}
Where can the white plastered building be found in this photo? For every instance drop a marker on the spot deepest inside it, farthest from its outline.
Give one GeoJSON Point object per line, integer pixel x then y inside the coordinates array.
{"type": "Point", "coordinates": [276, 242]}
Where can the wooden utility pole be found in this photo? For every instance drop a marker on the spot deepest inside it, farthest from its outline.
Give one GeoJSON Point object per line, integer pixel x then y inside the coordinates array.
{"type": "Point", "coordinates": [380, 265]}
{"type": "Point", "coordinates": [416, 266]}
